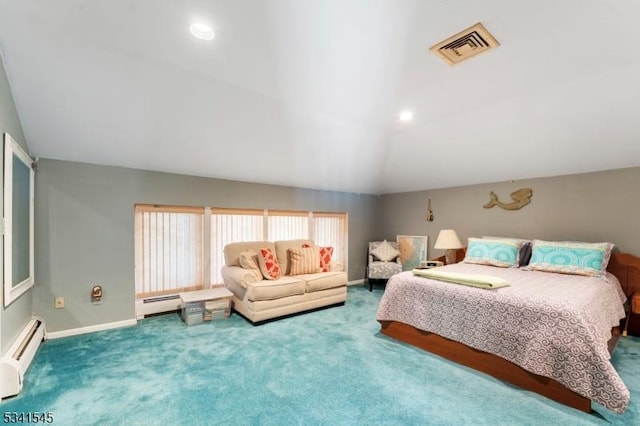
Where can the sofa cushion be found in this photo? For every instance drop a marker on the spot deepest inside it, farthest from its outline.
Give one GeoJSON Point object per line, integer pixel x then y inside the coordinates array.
{"type": "Point", "coordinates": [268, 290]}
{"type": "Point", "coordinates": [237, 275]}
{"type": "Point", "coordinates": [232, 250]}
{"type": "Point", "coordinates": [249, 261]}
{"type": "Point", "coordinates": [282, 251]}
{"type": "Point", "coordinates": [269, 265]}
{"type": "Point", "coordinates": [324, 280]}
{"type": "Point", "coordinates": [304, 260]}
{"type": "Point", "coordinates": [383, 270]}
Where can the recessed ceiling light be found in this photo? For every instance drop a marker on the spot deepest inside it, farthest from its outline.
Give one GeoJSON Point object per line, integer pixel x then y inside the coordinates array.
{"type": "Point", "coordinates": [202, 31]}
{"type": "Point", "coordinates": [406, 115]}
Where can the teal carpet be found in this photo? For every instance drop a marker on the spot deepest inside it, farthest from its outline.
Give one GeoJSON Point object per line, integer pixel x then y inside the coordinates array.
{"type": "Point", "coordinates": [329, 367]}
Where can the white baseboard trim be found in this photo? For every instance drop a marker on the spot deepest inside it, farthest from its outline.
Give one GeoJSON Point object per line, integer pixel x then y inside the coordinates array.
{"type": "Point", "coordinates": [118, 324]}
{"type": "Point", "coordinates": [90, 329]}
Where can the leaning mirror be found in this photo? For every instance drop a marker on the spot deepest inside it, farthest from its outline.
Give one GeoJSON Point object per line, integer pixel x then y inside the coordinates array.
{"type": "Point", "coordinates": [18, 213]}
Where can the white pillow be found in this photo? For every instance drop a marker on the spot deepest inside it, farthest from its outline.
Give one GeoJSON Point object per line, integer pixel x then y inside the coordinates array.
{"type": "Point", "coordinates": [385, 252]}
{"type": "Point", "coordinates": [249, 261]}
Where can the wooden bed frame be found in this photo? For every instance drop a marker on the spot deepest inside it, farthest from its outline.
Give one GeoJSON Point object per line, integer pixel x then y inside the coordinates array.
{"type": "Point", "coordinates": [626, 267]}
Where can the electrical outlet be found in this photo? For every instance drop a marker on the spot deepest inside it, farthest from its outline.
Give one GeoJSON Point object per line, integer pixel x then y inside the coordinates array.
{"type": "Point", "coordinates": [58, 303]}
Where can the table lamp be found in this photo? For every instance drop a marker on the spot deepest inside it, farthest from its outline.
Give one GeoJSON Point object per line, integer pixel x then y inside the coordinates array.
{"type": "Point", "coordinates": [448, 240]}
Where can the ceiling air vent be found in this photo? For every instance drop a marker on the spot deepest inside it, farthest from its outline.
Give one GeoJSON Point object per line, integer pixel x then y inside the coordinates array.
{"type": "Point", "coordinates": [465, 44]}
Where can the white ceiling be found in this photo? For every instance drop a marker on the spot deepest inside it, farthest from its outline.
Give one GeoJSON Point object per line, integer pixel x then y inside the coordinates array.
{"type": "Point", "coordinates": [307, 93]}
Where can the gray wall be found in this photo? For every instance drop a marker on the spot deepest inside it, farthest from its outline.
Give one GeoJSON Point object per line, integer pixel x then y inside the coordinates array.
{"type": "Point", "coordinates": [601, 206]}
{"type": "Point", "coordinates": [84, 222]}
{"type": "Point", "coordinates": [84, 230]}
{"type": "Point", "coordinates": [14, 317]}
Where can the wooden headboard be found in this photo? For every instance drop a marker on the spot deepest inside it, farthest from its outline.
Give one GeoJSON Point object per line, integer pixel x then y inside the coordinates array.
{"type": "Point", "coordinates": [626, 267]}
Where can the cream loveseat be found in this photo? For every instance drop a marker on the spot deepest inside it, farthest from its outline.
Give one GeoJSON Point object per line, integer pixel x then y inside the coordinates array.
{"type": "Point", "coordinates": [259, 299]}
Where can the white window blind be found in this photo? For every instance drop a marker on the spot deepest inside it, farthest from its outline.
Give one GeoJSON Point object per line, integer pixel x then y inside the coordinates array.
{"type": "Point", "coordinates": [283, 225]}
{"type": "Point", "coordinates": [171, 246]}
{"type": "Point", "coordinates": [168, 249]}
{"type": "Point", "coordinates": [330, 230]}
{"type": "Point", "coordinates": [234, 225]}
{"type": "Point", "coordinates": [230, 226]}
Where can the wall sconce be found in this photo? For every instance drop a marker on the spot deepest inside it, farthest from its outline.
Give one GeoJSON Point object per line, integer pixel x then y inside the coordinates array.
{"type": "Point", "coordinates": [429, 215]}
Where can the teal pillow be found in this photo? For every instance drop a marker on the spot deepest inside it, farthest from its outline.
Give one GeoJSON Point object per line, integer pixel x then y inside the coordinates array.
{"type": "Point", "coordinates": [568, 257]}
{"type": "Point", "coordinates": [498, 252]}
{"type": "Point", "coordinates": [524, 253]}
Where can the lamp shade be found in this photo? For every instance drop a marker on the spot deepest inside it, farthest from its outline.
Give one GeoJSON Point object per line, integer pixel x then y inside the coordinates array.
{"type": "Point", "coordinates": [448, 239]}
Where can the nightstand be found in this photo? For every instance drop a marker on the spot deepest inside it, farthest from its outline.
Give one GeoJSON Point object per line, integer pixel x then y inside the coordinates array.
{"type": "Point", "coordinates": [634, 309]}
{"type": "Point", "coordinates": [428, 264]}
{"type": "Point", "coordinates": [460, 254]}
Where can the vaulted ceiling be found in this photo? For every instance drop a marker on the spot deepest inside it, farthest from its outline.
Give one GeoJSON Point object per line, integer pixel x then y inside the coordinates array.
{"type": "Point", "coordinates": [307, 93]}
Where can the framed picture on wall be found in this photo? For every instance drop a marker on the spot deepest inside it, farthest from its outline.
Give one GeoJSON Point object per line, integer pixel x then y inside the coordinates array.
{"type": "Point", "coordinates": [413, 250]}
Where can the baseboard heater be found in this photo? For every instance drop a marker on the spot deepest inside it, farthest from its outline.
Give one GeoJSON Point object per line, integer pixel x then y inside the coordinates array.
{"type": "Point", "coordinates": [157, 305]}
{"type": "Point", "coordinates": [16, 361]}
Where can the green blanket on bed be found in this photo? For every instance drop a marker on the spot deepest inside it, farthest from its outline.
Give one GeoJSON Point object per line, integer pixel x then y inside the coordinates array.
{"type": "Point", "coordinates": [473, 280]}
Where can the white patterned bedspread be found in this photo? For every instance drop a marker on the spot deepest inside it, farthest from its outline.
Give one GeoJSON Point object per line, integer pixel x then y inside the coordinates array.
{"type": "Point", "coordinates": [553, 325]}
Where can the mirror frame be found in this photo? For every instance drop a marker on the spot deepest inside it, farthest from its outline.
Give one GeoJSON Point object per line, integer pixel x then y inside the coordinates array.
{"type": "Point", "coordinates": [13, 150]}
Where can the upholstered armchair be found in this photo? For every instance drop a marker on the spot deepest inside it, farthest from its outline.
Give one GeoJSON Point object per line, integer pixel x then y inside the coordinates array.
{"type": "Point", "coordinates": [383, 262]}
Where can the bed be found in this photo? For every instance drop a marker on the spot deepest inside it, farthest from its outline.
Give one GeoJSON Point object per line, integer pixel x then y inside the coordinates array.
{"type": "Point", "coordinates": [547, 332]}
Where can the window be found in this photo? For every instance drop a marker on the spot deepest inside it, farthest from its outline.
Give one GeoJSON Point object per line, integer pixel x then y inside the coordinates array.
{"type": "Point", "coordinates": [287, 225]}
{"type": "Point", "coordinates": [330, 229]}
{"type": "Point", "coordinates": [230, 226]}
{"type": "Point", "coordinates": [234, 225]}
{"type": "Point", "coordinates": [169, 249]}
{"type": "Point", "coordinates": [18, 221]}
{"type": "Point", "coordinates": [181, 248]}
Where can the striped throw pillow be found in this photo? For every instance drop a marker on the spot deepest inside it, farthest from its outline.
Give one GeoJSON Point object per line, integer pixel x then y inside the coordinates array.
{"type": "Point", "coordinates": [325, 254]}
{"type": "Point", "coordinates": [304, 260]}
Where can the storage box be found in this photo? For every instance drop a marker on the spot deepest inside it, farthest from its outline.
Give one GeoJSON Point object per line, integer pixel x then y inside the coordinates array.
{"type": "Point", "coordinates": [212, 305]}
{"type": "Point", "coordinates": [192, 312]}
{"type": "Point", "coordinates": [191, 319]}
{"type": "Point", "coordinates": [216, 314]}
